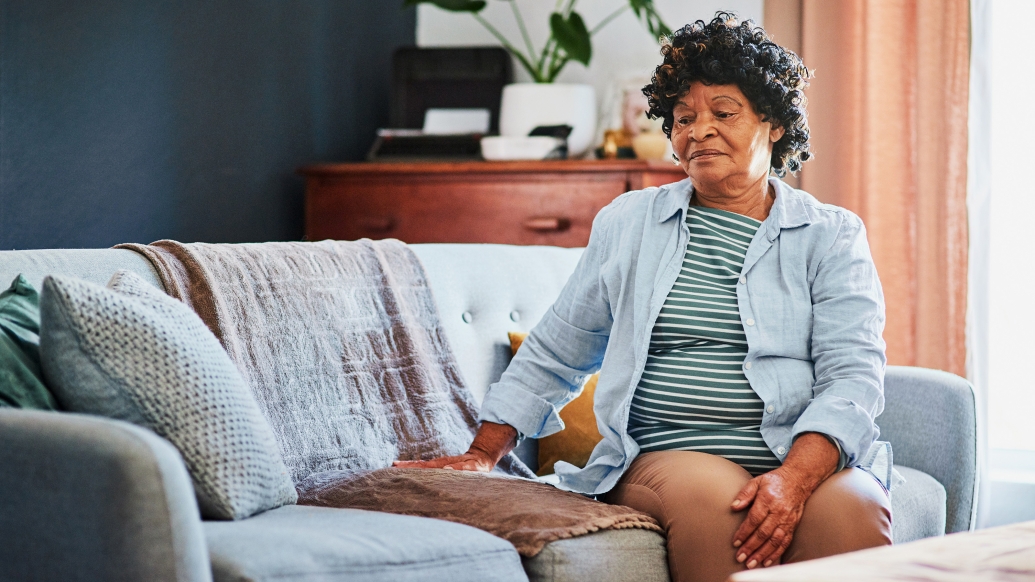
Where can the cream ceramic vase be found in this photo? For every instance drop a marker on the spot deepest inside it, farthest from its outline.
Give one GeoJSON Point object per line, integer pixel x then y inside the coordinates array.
{"type": "Point", "coordinates": [651, 146]}
{"type": "Point", "coordinates": [526, 106]}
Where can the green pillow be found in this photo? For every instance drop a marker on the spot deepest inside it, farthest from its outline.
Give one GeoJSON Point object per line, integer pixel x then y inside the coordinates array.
{"type": "Point", "coordinates": [21, 381]}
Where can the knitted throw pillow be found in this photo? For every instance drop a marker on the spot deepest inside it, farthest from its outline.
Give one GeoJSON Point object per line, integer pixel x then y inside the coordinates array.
{"type": "Point", "coordinates": [133, 353]}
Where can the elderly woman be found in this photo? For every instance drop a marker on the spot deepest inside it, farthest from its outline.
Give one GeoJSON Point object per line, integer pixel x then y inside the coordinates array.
{"type": "Point", "coordinates": [737, 326]}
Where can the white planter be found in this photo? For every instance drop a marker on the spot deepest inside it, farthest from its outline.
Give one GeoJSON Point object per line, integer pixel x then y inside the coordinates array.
{"type": "Point", "coordinates": [526, 106]}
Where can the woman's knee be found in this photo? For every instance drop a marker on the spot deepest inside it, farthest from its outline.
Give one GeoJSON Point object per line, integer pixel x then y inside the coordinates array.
{"type": "Point", "coordinates": [850, 511]}
{"type": "Point", "coordinates": [682, 484]}
{"type": "Point", "coordinates": [690, 494]}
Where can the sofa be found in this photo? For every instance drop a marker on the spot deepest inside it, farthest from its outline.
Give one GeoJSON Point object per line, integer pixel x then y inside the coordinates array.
{"type": "Point", "coordinates": [88, 498]}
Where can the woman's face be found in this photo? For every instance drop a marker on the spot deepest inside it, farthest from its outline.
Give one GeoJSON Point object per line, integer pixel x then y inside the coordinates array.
{"type": "Point", "coordinates": [721, 142]}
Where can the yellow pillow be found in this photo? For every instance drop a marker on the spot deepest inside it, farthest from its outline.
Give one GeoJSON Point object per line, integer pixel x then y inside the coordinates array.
{"type": "Point", "coordinates": [575, 443]}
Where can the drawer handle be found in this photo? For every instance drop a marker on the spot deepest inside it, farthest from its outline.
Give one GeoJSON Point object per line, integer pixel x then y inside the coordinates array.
{"type": "Point", "coordinates": [377, 224]}
{"type": "Point", "coordinates": [547, 224]}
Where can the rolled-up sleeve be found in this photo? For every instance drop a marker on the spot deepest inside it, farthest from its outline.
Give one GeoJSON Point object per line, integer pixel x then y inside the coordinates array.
{"type": "Point", "coordinates": [848, 348]}
{"type": "Point", "coordinates": [561, 350]}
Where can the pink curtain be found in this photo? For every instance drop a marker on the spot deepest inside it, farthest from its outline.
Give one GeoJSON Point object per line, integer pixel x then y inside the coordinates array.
{"type": "Point", "coordinates": [888, 112]}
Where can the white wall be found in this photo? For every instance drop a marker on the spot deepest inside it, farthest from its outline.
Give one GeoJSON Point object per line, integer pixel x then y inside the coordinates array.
{"type": "Point", "coordinates": [1011, 386]}
{"type": "Point", "coordinates": [623, 50]}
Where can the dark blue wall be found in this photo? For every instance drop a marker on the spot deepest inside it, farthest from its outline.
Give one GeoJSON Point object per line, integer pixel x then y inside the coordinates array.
{"type": "Point", "coordinates": [136, 120]}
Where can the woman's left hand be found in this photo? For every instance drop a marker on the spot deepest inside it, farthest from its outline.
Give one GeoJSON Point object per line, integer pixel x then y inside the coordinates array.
{"type": "Point", "coordinates": [777, 500]}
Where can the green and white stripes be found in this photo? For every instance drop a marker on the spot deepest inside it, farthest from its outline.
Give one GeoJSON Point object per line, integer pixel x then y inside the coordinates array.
{"type": "Point", "coordinates": [693, 394]}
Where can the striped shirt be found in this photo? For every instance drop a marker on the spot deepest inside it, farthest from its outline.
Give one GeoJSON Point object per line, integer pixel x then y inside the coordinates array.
{"type": "Point", "coordinates": [693, 395]}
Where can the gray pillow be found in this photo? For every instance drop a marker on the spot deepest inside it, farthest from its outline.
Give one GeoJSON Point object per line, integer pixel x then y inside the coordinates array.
{"type": "Point", "coordinates": [136, 354]}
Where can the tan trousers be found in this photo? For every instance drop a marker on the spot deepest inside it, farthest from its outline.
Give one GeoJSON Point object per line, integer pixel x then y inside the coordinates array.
{"type": "Point", "coordinates": [690, 494]}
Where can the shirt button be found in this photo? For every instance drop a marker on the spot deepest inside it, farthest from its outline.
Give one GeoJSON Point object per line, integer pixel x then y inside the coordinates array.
{"type": "Point", "coordinates": [467, 317]}
{"type": "Point", "coordinates": [750, 321]}
{"type": "Point", "coordinates": [747, 365]}
{"type": "Point", "coordinates": [515, 316]}
{"type": "Point", "coordinates": [780, 450]}
{"type": "Point", "coordinates": [769, 409]}
{"type": "Point", "coordinates": [743, 280]}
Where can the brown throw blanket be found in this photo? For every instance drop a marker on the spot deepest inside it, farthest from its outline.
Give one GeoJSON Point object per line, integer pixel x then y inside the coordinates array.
{"type": "Point", "coordinates": [525, 513]}
{"type": "Point", "coordinates": [343, 349]}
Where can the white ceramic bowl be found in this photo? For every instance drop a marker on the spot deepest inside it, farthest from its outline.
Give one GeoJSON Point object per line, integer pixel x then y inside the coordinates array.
{"type": "Point", "coordinates": [498, 148]}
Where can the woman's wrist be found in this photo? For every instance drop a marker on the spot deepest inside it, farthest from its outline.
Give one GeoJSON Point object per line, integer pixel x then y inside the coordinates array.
{"type": "Point", "coordinates": [494, 441]}
{"type": "Point", "coordinates": [812, 459]}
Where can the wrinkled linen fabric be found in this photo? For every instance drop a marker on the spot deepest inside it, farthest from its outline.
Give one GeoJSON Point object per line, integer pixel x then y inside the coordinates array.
{"type": "Point", "coordinates": [340, 343]}
{"type": "Point", "coordinates": [526, 513]}
{"type": "Point", "coordinates": [809, 299]}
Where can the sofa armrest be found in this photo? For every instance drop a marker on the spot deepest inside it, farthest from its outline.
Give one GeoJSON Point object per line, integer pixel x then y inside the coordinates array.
{"type": "Point", "coordinates": [930, 419]}
{"type": "Point", "coordinates": [86, 498]}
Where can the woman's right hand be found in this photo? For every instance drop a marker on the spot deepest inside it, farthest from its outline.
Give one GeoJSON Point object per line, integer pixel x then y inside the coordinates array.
{"type": "Point", "coordinates": [492, 442]}
{"type": "Point", "coordinates": [469, 461]}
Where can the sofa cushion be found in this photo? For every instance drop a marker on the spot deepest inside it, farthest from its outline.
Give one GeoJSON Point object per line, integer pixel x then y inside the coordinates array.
{"type": "Point", "coordinates": [139, 355]}
{"type": "Point", "coordinates": [322, 544]}
{"type": "Point", "coordinates": [580, 436]}
{"type": "Point", "coordinates": [917, 507]}
{"type": "Point", "coordinates": [622, 555]}
{"type": "Point", "coordinates": [21, 379]}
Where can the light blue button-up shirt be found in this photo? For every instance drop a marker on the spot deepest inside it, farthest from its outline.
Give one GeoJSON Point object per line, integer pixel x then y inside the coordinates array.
{"type": "Point", "coordinates": [815, 349]}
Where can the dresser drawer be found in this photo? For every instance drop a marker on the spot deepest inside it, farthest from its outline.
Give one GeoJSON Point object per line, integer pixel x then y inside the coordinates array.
{"type": "Point", "coordinates": [544, 209]}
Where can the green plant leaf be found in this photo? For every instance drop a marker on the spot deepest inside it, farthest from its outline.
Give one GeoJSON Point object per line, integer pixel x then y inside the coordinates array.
{"type": "Point", "coordinates": [646, 13]}
{"type": "Point", "coordinates": [451, 5]}
{"type": "Point", "coordinates": [572, 36]}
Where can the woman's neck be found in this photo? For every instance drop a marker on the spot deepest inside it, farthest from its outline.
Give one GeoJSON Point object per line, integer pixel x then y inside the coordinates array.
{"type": "Point", "coordinates": [755, 201]}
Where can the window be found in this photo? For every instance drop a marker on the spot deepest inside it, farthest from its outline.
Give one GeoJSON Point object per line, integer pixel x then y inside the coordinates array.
{"type": "Point", "coordinates": [1011, 321]}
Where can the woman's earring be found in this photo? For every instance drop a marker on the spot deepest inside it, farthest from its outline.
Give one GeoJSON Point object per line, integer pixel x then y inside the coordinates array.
{"type": "Point", "coordinates": [675, 158]}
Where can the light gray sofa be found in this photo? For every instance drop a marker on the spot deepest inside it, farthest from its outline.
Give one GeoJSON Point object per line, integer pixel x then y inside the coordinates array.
{"type": "Point", "coordinates": [86, 498]}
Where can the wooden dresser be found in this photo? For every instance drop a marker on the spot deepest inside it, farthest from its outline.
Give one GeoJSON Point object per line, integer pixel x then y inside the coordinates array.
{"type": "Point", "coordinates": [523, 203]}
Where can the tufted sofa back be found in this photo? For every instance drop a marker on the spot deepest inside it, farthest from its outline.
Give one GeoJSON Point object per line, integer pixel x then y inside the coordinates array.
{"type": "Point", "coordinates": [482, 291]}
{"type": "Point", "coordinates": [93, 265]}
